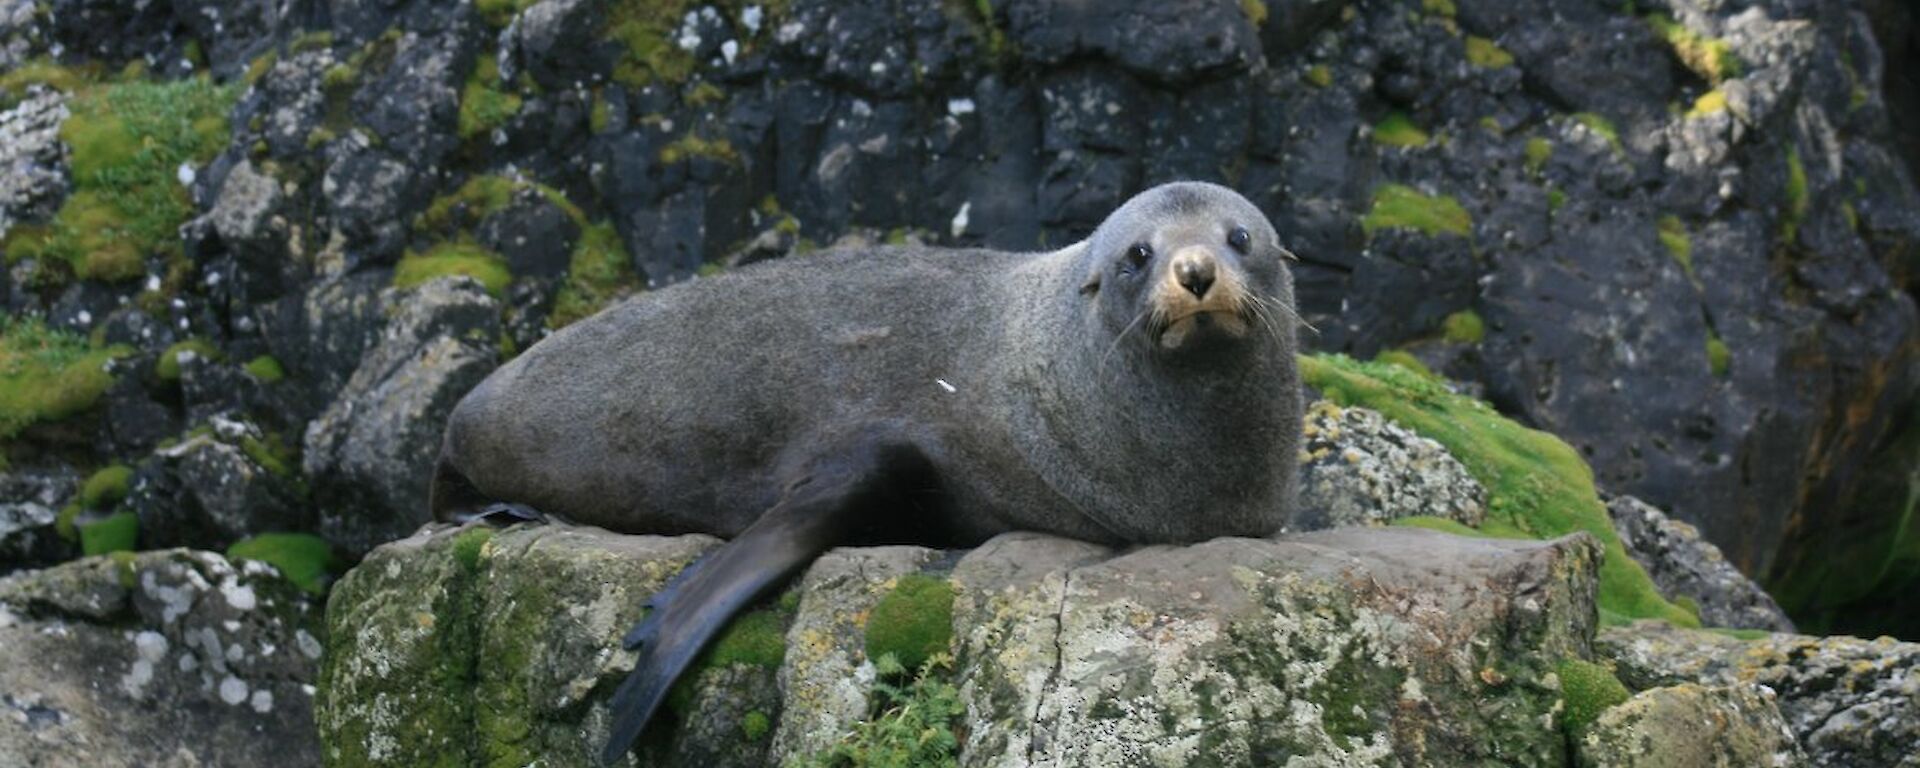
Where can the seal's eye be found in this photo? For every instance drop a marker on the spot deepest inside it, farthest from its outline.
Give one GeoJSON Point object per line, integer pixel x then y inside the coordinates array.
{"type": "Point", "coordinates": [1137, 257]}
{"type": "Point", "coordinates": [1239, 239]}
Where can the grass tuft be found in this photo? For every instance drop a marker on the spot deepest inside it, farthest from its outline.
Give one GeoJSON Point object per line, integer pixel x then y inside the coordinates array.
{"type": "Point", "coordinates": [48, 375]}
{"type": "Point", "coordinates": [1588, 689]}
{"type": "Point", "coordinates": [1402, 207]}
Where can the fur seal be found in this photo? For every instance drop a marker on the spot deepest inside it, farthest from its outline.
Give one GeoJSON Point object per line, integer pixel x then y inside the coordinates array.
{"type": "Point", "coordinates": [1137, 387]}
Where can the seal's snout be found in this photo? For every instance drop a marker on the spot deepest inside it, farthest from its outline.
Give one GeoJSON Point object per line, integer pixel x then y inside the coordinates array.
{"type": "Point", "coordinates": [1194, 269]}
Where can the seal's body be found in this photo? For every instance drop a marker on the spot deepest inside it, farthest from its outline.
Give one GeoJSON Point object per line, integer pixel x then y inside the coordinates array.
{"type": "Point", "coordinates": [1138, 387]}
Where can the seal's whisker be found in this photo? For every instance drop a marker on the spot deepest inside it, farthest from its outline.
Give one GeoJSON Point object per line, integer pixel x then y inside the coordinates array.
{"type": "Point", "coordinates": [1116, 339]}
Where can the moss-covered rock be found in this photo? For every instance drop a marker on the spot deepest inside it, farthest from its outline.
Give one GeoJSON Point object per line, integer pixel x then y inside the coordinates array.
{"type": "Point", "coordinates": [48, 375]}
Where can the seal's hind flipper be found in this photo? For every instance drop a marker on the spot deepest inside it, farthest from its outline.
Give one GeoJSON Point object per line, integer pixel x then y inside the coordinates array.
{"type": "Point", "coordinates": [838, 497]}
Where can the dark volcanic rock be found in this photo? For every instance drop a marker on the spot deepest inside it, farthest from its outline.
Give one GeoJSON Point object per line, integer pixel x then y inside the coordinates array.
{"type": "Point", "coordinates": [212, 489]}
{"type": "Point", "coordinates": [1683, 565]}
{"type": "Point", "coordinates": [369, 455]}
{"type": "Point", "coordinates": [30, 500]}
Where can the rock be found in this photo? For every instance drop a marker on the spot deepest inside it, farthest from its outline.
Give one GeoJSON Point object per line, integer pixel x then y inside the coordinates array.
{"type": "Point", "coordinates": [321, 334]}
{"type": "Point", "coordinates": [1689, 726]}
{"type": "Point", "coordinates": [162, 658]}
{"type": "Point", "coordinates": [369, 455]}
{"type": "Point", "coordinates": [413, 106]}
{"type": "Point", "coordinates": [1684, 565]}
{"type": "Point", "coordinates": [371, 196]}
{"type": "Point", "coordinates": [1169, 42]}
{"type": "Point", "coordinates": [30, 500]}
{"type": "Point", "coordinates": [33, 159]}
{"type": "Point", "coordinates": [1369, 645]}
{"type": "Point", "coordinates": [1357, 468]}
{"type": "Point", "coordinates": [534, 235]}
{"type": "Point", "coordinates": [217, 487]}
{"type": "Point", "coordinates": [1847, 701]}
{"type": "Point", "coordinates": [547, 39]}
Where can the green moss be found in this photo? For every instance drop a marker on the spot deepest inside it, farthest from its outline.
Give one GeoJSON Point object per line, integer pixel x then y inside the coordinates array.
{"type": "Point", "coordinates": [1483, 53]}
{"type": "Point", "coordinates": [913, 622]}
{"type": "Point", "coordinates": [1398, 131]}
{"type": "Point", "coordinates": [1405, 359]}
{"type": "Point", "coordinates": [485, 195]}
{"type": "Point", "coordinates": [106, 487]}
{"type": "Point", "coordinates": [453, 258]}
{"type": "Point", "coordinates": [1255, 11]}
{"type": "Point", "coordinates": [45, 72]}
{"type": "Point", "coordinates": [1537, 486]}
{"type": "Point", "coordinates": [1401, 206]}
{"type": "Point", "coordinates": [1588, 690]}
{"type": "Point", "coordinates": [1556, 200]}
{"type": "Point", "coordinates": [48, 375]}
{"type": "Point", "coordinates": [704, 93]}
{"type": "Point", "coordinates": [485, 102]}
{"type": "Point", "coordinates": [1601, 127]}
{"type": "Point", "coordinates": [305, 559]}
{"type": "Point", "coordinates": [600, 116]}
{"type": "Point", "coordinates": [125, 565]}
{"type": "Point", "coordinates": [1719, 360]}
{"type": "Point", "coordinates": [1464, 327]}
{"type": "Point", "coordinates": [127, 142]}
{"type": "Point", "coordinates": [272, 454]}
{"type": "Point", "coordinates": [1319, 76]}
{"type": "Point", "coordinates": [693, 145]}
{"type": "Point", "coordinates": [65, 522]}
{"type": "Point", "coordinates": [119, 532]}
{"type": "Point", "coordinates": [168, 366]}
{"type": "Point", "coordinates": [1673, 235]}
{"type": "Point", "coordinates": [1852, 216]}
{"type": "Point", "coordinates": [266, 369]}
{"type": "Point", "coordinates": [499, 13]}
{"type": "Point", "coordinates": [469, 545]}
{"type": "Point", "coordinates": [1744, 635]}
{"type": "Point", "coordinates": [755, 725]}
{"type": "Point", "coordinates": [1797, 200]}
{"type": "Point", "coordinates": [645, 29]}
{"type": "Point", "coordinates": [1439, 7]}
{"type": "Point", "coordinates": [1710, 103]}
{"type": "Point", "coordinates": [318, 40]}
{"type": "Point", "coordinates": [1710, 58]}
{"type": "Point", "coordinates": [599, 273]}
{"type": "Point", "coordinates": [755, 639]}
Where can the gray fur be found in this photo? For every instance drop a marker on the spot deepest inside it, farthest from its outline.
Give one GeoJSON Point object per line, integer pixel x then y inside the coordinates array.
{"type": "Point", "coordinates": [689, 409]}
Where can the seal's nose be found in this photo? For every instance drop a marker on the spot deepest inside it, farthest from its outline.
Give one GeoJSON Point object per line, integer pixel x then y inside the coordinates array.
{"type": "Point", "coordinates": [1193, 268]}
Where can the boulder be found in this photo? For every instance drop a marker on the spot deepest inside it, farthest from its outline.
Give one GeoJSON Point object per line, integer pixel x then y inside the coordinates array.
{"type": "Point", "coordinates": [1358, 468]}
{"type": "Point", "coordinates": [168, 658]}
{"type": "Point", "coordinates": [369, 455]}
{"type": "Point", "coordinates": [1691, 726]}
{"type": "Point", "coordinates": [1364, 646]}
{"type": "Point", "coordinates": [1684, 565]}
{"type": "Point", "coordinates": [34, 160]}
{"type": "Point", "coordinates": [1847, 701]}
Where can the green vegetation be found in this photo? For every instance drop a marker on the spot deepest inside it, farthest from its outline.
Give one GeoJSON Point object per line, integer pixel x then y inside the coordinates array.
{"type": "Point", "coordinates": [1537, 486]}
{"type": "Point", "coordinates": [1539, 151]}
{"type": "Point", "coordinates": [48, 375]}
{"type": "Point", "coordinates": [305, 559]}
{"type": "Point", "coordinates": [600, 115]}
{"type": "Point", "coordinates": [1719, 359]}
{"type": "Point", "coordinates": [912, 725]}
{"type": "Point", "coordinates": [46, 72]}
{"type": "Point", "coordinates": [1464, 327]}
{"type": "Point", "coordinates": [119, 532]}
{"type": "Point", "coordinates": [693, 145]}
{"type": "Point", "coordinates": [271, 452]}
{"type": "Point", "coordinates": [599, 274]}
{"type": "Point", "coordinates": [1673, 235]}
{"type": "Point", "coordinates": [1319, 76]}
{"type": "Point", "coordinates": [1398, 131]}
{"type": "Point", "coordinates": [485, 101]}
{"type": "Point", "coordinates": [1797, 200]}
{"type": "Point", "coordinates": [1710, 103]}
{"type": "Point", "coordinates": [469, 545]}
{"type": "Point", "coordinates": [1600, 126]}
{"type": "Point", "coordinates": [483, 196]}
{"type": "Point", "coordinates": [1588, 690]}
{"type": "Point", "coordinates": [499, 13]}
{"type": "Point", "coordinates": [1710, 58]}
{"type": "Point", "coordinates": [1401, 206]}
{"type": "Point", "coordinates": [457, 257]}
{"type": "Point", "coordinates": [1439, 7]}
{"type": "Point", "coordinates": [646, 29]}
{"type": "Point", "coordinates": [1405, 359]}
{"type": "Point", "coordinates": [266, 369]}
{"type": "Point", "coordinates": [755, 725]}
{"type": "Point", "coordinates": [1256, 12]}
{"type": "Point", "coordinates": [168, 366]}
{"type": "Point", "coordinates": [128, 141]}
{"type": "Point", "coordinates": [1483, 53]}
{"type": "Point", "coordinates": [1556, 199]}
{"type": "Point", "coordinates": [913, 622]}
{"type": "Point", "coordinates": [106, 487]}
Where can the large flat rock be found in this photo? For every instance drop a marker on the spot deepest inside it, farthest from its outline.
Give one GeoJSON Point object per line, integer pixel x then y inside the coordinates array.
{"type": "Point", "coordinates": [1350, 647]}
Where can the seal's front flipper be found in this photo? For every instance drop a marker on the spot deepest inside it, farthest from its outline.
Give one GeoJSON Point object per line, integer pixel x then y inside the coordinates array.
{"type": "Point", "coordinates": [840, 498]}
{"type": "Point", "coordinates": [501, 514]}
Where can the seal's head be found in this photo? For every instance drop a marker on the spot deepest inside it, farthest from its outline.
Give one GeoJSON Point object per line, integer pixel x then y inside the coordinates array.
{"type": "Point", "coordinates": [1190, 271]}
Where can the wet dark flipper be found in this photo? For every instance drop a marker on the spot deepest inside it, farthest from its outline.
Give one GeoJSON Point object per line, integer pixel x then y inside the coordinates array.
{"type": "Point", "coordinates": [838, 497]}
{"type": "Point", "coordinates": [501, 514]}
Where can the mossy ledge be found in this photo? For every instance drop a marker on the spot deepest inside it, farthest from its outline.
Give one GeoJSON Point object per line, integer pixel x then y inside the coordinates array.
{"type": "Point", "coordinates": [1398, 206]}
{"type": "Point", "coordinates": [1537, 486]}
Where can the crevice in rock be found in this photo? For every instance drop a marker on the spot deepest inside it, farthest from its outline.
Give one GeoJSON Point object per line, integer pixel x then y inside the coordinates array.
{"type": "Point", "coordinates": [1034, 734]}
